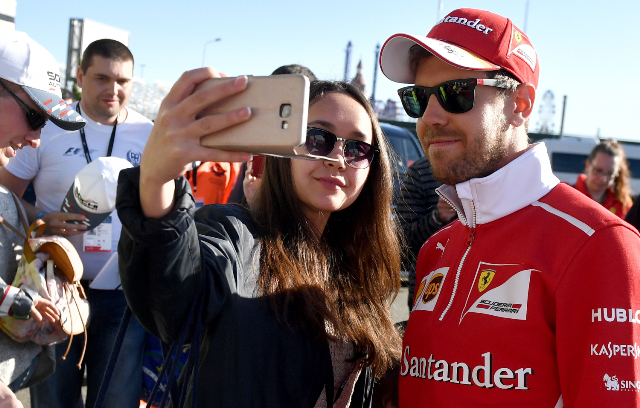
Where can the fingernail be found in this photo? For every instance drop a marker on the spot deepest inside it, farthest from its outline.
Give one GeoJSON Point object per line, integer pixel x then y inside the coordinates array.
{"type": "Point", "coordinates": [245, 113]}
{"type": "Point", "coordinates": [241, 80]}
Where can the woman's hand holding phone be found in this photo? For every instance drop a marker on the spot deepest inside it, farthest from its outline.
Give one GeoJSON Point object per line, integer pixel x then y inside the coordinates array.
{"type": "Point", "coordinates": [174, 142]}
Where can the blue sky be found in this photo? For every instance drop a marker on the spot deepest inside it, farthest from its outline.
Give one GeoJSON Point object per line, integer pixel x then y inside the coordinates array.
{"type": "Point", "coordinates": [587, 49]}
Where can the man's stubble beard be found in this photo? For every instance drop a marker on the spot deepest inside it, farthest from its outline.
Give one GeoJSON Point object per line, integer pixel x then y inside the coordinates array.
{"type": "Point", "coordinates": [481, 153]}
{"type": "Point", "coordinates": [102, 112]}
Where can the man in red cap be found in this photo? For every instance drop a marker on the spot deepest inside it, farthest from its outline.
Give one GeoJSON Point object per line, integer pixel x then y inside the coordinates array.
{"type": "Point", "coordinates": [531, 297]}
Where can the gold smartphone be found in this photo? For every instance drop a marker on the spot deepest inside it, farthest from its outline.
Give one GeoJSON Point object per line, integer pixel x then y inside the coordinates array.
{"type": "Point", "coordinates": [278, 125]}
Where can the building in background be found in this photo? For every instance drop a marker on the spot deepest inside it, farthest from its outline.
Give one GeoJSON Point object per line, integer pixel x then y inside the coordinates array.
{"type": "Point", "coordinates": [358, 80]}
{"type": "Point", "coordinates": [8, 14]}
{"type": "Point", "coordinates": [388, 110]}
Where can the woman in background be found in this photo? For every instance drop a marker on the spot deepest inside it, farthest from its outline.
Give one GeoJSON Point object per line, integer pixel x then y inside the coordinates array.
{"type": "Point", "coordinates": [606, 178]}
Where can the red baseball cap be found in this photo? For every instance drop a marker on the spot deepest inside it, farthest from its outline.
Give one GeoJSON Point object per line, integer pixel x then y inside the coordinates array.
{"type": "Point", "coordinates": [470, 39]}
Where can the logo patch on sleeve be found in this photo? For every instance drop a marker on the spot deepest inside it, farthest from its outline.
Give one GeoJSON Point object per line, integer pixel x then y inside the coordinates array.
{"type": "Point", "coordinates": [502, 291]}
{"type": "Point", "coordinates": [429, 290]}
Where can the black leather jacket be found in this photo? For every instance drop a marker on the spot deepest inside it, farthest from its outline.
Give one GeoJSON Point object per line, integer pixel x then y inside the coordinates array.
{"type": "Point", "coordinates": [247, 358]}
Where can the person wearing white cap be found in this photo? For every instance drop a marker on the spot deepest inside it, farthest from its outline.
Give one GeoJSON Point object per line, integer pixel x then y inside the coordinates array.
{"type": "Point", "coordinates": [116, 131]}
{"type": "Point", "coordinates": [531, 297]}
{"type": "Point", "coordinates": [30, 94]}
{"type": "Point", "coordinates": [29, 97]}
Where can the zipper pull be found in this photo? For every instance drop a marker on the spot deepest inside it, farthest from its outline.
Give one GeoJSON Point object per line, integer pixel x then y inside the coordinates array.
{"type": "Point", "coordinates": [471, 237]}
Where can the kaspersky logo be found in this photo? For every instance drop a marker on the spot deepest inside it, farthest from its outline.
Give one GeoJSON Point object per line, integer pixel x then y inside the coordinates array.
{"type": "Point", "coordinates": [614, 350]}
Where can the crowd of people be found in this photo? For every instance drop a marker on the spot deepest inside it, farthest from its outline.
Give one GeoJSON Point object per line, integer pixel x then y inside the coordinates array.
{"type": "Point", "coordinates": [280, 272]}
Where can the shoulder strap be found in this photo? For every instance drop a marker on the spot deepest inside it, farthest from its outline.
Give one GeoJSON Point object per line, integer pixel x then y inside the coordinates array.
{"type": "Point", "coordinates": [20, 216]}
{"type": "Point", "coordinates": [12, 228]}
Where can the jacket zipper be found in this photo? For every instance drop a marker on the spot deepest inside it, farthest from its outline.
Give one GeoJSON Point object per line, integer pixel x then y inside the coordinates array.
{"type": "Point", "coordinates": [470, 239]}
{"type": "Point", "coordinates": [461, 214]}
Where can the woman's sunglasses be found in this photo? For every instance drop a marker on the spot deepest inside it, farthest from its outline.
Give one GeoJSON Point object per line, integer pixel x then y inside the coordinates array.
{"type": "Point", "coordinates": [455, 96]}
{"type": "Point", "coordinates": [36, 121]}
{"type": "Point", "coordinates": [357, 154]}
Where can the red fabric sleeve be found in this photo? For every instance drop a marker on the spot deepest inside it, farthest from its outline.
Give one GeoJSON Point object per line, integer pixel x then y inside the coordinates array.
{"type": "Point", "coordinates": [598, 322]}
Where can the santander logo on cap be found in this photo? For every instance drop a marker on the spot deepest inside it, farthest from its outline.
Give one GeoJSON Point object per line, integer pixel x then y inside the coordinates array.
{"type": "Point", "coordinates": [463, 21]}
{"type": "Point", "coordinates": [470, 39]}
{"type": "Point", "coordinates": [491, 37]}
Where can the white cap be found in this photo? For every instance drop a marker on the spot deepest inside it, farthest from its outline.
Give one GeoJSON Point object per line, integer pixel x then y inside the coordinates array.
{"type": "Point", "coordinates": [93, 193]}
{"type": "Point", "coordinates": [26, 63]}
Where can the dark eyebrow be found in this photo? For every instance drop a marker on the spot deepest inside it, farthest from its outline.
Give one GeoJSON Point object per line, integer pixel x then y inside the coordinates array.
{"type": "Point", "coordinates": [119, 79]}
{"type": "Point", "coordinates": [330, 127]}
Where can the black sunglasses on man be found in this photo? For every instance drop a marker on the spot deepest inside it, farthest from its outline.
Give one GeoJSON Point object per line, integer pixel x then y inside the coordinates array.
{"type": "Point", "coordinates": [36, 120]}
{"type": "Point", "coordinates": [455, 96]}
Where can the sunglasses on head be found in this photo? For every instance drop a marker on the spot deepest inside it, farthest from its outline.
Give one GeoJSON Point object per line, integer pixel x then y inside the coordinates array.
{"type": "Point", "coordinates": [356, 153]}
{"type": "Point", "coordinates": [455, 96]}
{"type": "Point", "coordinates": [36, 121]}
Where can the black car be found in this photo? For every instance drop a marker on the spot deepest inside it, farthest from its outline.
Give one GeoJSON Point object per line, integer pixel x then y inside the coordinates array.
{"type": "Point", "coordinates": [407, 149]}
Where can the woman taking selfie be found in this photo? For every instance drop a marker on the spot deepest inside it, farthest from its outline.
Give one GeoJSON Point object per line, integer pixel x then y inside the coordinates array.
{"type": "Point", "coordinates": [297, 289]}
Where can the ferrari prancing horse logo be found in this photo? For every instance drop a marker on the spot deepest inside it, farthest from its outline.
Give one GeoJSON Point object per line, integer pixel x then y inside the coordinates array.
{"type": "Point", "coordinates": [518, 36]}
{"type": "Point", "coordinates": [486, 276]}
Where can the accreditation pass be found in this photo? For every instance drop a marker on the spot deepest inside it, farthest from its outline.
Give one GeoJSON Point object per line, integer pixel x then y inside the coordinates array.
{"type": "Point", "coordinates": [99, 238]}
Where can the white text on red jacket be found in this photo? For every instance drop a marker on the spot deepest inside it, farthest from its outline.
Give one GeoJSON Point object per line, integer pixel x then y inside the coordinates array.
{"type": "Point", "coordinates": [460, 373]}
{"type": "Point", "coordinates": [617, 315]}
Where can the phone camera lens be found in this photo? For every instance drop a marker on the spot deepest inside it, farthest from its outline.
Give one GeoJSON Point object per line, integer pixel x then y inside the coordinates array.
{"type": "Point", "coordinates": [285, 110]}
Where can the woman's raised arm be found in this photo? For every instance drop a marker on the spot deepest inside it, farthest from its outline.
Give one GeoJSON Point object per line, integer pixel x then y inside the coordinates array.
{"type": "Point", "coordinates": [174, 142]}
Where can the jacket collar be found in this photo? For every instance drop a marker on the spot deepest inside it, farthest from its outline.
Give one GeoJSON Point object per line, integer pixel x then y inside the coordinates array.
{"type": "Point", "coordinates": [521, 182]}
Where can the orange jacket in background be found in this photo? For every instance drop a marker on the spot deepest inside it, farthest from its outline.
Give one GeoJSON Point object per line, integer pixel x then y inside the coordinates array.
{"type": "Point", "coordinates": [213, 181]}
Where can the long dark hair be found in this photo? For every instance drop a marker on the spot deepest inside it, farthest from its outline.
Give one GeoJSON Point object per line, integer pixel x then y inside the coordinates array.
{"type": "Point", "coordinates": [346, 279]}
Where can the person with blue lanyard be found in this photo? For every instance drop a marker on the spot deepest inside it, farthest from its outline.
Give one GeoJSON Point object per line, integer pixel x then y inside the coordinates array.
{"type": "Point", "coordinates": [112, 129]}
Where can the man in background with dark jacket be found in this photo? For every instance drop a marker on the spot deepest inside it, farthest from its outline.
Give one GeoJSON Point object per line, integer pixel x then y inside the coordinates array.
{"type": "Point", "coordinates": [421, 213]}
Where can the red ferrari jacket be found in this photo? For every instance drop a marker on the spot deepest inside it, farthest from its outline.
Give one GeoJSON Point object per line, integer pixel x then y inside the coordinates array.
{"type": "Point", "coordinates": [611, 203]}
{"type": "Point", "coordinates": [530, 299]}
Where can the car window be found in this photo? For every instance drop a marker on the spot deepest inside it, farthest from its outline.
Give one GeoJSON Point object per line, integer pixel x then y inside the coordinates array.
{"type": "Point", "coordinates": [407, 150]}
{"type": "Point", "coordinates": [404, 144]}
{"type": "Point", "coordinates": [568, 162]}
{"type": "Point", "coordinates": [634, 167]}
